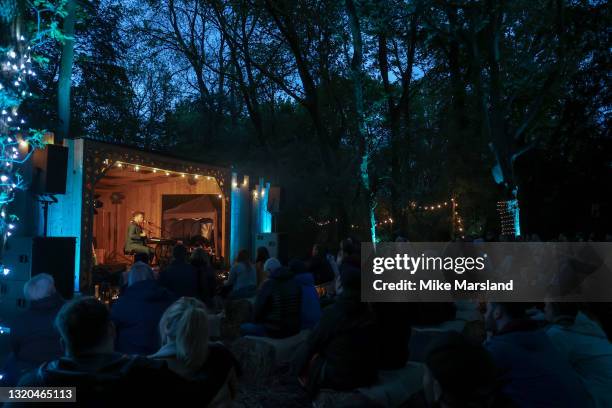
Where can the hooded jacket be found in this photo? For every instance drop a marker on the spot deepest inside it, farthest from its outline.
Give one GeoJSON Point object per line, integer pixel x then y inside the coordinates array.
{"type": "Point", "coordinates": [586, 347]}
{"type": "Point", "coordinates": [278, 305]}
{"type": "Point", "coordinates": [136, 316]}
{"type": "Point", "coordinates": [534, 373]}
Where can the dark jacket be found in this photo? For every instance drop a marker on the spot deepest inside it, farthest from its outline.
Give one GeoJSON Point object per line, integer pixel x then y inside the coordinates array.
{"type": "Point", "coordinates": [112, 380]}
{"type": "Point", "coordinates": [213, 375]}
{"type": "Point", "coordinates": [534, 373]}
{"type": "Point", "coordinates": [34, 338]}
{"type": "Point", "coordinates": [207, 283]}
{"type": "Point", "coordinates": [136, 316]}
{"type": "Point", "coordinates": [133, 239]}
{"type": "Point", "coordinates": [278, 304]}
{"type": "Point", "coordinates": [321, 270]}
{"type": "Point", "coordinates": [181, 279]}
{"type": "Point", "coordinates": [311, 308]}
{"type": "Point", "coordinates": [394, 323]}
{"type": "Point", "coordinates": [341, 352]}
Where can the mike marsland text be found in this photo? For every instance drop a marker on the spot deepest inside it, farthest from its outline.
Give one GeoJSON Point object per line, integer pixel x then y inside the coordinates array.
{"type": "Point", "coordinates": [437, 285]}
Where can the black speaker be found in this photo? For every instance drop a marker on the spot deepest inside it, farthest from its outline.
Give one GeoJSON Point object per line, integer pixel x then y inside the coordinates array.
{"type": "Point", "coordinates": [50, 170]}
{"type": "Point", "coordinates": [55, 256]}
{"type": "Point", "coordinates": [275, 196]}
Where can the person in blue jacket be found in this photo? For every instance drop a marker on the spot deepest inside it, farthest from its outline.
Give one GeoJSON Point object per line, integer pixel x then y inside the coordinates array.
{"type": "Point", "coordinates": [311, 308]}
{"type": "Point", "coordinates": [534, 373]}
{"type": "Point", "coordinates": [137, 312]}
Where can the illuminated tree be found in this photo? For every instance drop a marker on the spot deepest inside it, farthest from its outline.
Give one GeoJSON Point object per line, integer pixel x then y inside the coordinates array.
{"type": "Point", "coordinates": [27, 26]}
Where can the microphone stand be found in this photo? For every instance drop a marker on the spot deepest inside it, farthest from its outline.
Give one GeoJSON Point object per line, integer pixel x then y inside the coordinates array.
{"type": "Point", "coordinates": [161, 230]}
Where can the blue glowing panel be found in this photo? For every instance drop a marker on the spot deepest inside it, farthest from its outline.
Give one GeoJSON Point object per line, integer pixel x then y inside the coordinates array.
{"type": "Point", "coordinates": [265, 217]}
{"type": "Point", "coordinates": [235, 217]}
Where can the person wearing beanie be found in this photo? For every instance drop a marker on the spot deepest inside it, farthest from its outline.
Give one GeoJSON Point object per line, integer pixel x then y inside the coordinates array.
{"type": "Point", "coordinates": [277, 309]}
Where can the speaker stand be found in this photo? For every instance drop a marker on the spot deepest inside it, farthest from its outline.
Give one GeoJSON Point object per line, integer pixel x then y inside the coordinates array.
{"type": "Point", "coordinates": [46, 202]}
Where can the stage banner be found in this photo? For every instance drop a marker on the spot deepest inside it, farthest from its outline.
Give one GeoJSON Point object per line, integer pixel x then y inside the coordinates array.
{"type": "Point", "coordinates": [491, 271]}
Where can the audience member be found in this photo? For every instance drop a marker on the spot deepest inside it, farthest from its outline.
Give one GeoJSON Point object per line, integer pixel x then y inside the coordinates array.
{"type": "Point", "coordinates": [277, 309]}
{"type": "Point", "coordinates": [262, 256]}
{"type": "Point", "coordinates": [584, 344]}
{"type": "Point", "coordinates": [459, 373]}
{"type": "Point", "coordinates": [561, 313]}
{"type": "Point", "coordinates": [319, 266]}
{"type": "Point", "coordinates": [341, 352]}
{"type": "Point", "coordinates": [311, 308]}
{"type": "Point", "coordinates": [180, 277]}
{"type": "Point", "coordinates": [33, 338]}
{"type": "Point", "coordinates": [186, 349]}
{"type": "Point", "coordinates": [101, 376]}
{"type": "Point", "coordinates": [602, 312]}
{"type": "Point", "coordinates": [394, 323]}
{"type": "Point", "coordinates": [242, 279]}
{"type": "Point", "coordinates": [207, 282]}
{"type": "Point", "coordinates": [348, 247]}
{"type": "Point", "coordinates": [141, 257]}
{"type": "Point", "coordinates": [533, 372]}
{"type": "Point", "coordinates": [137, 312]}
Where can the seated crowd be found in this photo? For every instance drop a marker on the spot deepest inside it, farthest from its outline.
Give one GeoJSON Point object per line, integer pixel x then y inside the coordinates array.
{"type": "Point", "coordinates": [154, 342]}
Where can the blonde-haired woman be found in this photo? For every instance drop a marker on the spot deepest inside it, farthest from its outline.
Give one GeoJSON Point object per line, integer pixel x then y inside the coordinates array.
{"type": "Point", "coordinates": [185, 347]}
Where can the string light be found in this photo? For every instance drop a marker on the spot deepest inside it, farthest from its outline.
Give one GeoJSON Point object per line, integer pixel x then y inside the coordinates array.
{"type": "Point", "coordinates": [141, 168]}
{"type": "Point", "coordinates": [508, 214]}
{"type": "Point", "coordinates": [457, 224]}
{"type": "Point", "coordinates": [15, 143]}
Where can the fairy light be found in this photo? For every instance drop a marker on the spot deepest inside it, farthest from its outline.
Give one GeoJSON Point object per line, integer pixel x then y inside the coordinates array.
{"type": "Point", "coordinates": [15, 64]}
{"type": "Point", "coordinates": [508, 215]}
{"type": "Point", "coordinates": [145, 169]}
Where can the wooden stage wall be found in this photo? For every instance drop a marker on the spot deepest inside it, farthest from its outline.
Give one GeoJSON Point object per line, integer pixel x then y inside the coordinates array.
{"type": "Point", "coordinates": [147, 198]}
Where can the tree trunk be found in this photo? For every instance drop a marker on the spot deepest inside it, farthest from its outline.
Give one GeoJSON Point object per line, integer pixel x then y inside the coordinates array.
{"type": "Point", "coordinates": [364, 145]}
{"type": "Point", "coordinates": [65, 73]}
